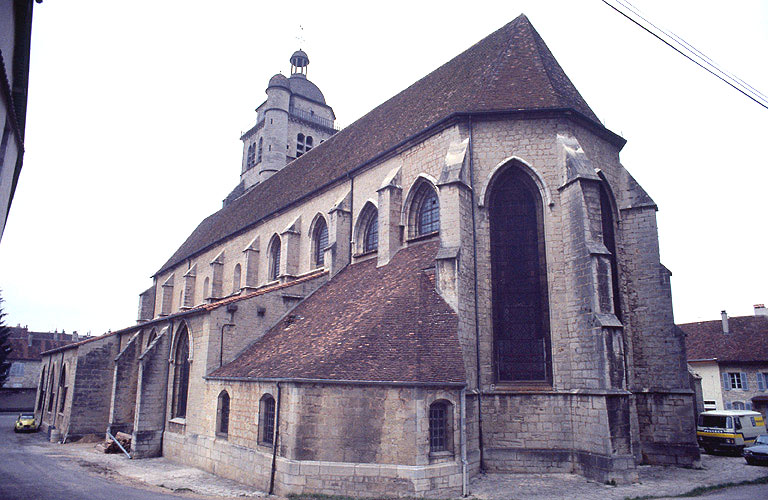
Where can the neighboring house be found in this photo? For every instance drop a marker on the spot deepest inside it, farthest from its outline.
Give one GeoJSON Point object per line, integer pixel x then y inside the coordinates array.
{"type": "Point", "coordinates": [15, 33]}
{"type": "Point", "coordinates": [18, 391]}
{"type": "Point", "coordinates": [731, 357]}
{"type": "Point", "coordinates": [464, 279]}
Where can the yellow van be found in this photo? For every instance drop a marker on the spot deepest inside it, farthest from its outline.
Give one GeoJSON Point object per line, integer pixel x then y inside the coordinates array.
{"type": "Point", "coordinates": [728, 430]}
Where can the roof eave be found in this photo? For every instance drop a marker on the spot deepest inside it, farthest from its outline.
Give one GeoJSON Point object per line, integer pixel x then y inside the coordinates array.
{"type": "Point", "coordinates": [445, 122]}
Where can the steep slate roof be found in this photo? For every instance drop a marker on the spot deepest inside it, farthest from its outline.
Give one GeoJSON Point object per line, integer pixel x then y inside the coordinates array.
{"type": "Point", "coordinates": [365, 324]}
{"type": "Point", "coordinates": [747, 340]}
{"type": "Point", "coordinates": [510, 70]}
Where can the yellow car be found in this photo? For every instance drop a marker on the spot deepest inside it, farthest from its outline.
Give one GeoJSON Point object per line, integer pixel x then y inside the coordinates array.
{"type": "Point", "coordinates": [25, 423]}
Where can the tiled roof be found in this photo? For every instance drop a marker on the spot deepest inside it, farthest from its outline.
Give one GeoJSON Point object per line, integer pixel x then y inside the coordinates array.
{"type": "Point", "coordinates": [19, 340]}
{"type": "Point", "coordinates": [188, 312]}
{"type": "Point", "coordinates": [747, 340]}
{"type": "Point", "coordinates": [365, 324]}
{"type": "Point", "coordinates": [511, 70]}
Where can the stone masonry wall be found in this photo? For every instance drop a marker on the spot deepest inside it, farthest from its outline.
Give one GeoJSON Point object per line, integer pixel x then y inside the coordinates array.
{"type": "Point", "coordinates": [149, 416]}
{"type": "Point", "coordinates": [356, 440]}
{"type": "Point", "coordinates": [93, 386]}
{"type": "Point", "coordinates": [123, 402]}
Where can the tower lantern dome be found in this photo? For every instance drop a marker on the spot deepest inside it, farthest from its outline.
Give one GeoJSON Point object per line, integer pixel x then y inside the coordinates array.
{"type": "Point", "coordinates": [299, 63]}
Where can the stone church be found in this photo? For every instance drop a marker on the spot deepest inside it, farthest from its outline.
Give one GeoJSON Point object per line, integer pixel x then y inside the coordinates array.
{"type": "Point", "coordinates": [464, 279]}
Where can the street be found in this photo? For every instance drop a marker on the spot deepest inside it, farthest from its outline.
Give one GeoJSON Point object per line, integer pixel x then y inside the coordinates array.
{"type": "Point", "coordinates": [31, 470]}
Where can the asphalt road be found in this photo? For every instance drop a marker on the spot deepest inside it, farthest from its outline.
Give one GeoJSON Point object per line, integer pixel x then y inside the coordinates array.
{"type": "Point", "coordinates": [29, 470]}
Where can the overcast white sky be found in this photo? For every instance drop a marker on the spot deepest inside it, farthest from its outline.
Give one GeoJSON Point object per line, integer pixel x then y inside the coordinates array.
{"type": "Point", "coordinates": [136, 108]}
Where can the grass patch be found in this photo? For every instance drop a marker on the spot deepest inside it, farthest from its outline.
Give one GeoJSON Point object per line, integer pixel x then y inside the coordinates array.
{"type": "Point", "coordinates": [700, 490]}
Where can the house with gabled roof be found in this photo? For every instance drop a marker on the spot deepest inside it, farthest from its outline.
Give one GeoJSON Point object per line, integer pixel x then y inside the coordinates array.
{"type": "Point", "coordinates": [731, 357]}
{"type": "Point", "coordinates": [465, 279]}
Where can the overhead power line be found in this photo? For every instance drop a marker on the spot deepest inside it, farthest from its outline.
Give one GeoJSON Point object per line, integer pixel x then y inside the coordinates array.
{"type": "Point", "coordinates": [679, 45]}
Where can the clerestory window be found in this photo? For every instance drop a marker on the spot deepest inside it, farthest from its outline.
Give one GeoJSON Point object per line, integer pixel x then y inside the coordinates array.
{"type": "Point", "coordinates": [319, 242]}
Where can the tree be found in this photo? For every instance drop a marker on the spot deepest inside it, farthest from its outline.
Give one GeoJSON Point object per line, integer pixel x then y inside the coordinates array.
{"type": "Point", "coordinates": [5, 346]}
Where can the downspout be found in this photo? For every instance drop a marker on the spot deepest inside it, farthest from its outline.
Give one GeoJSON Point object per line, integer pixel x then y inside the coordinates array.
{"type": "Point", "coordinates": [477, 305]}
{"type": "Point", "coordinates": [275, 439]}
{"type": "Point", "coordinates": [463, 439]}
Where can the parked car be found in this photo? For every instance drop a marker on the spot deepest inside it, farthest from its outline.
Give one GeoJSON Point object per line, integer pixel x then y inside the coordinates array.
{"type": "Point", "coordinates": [757, 454]}
{"type": "Point", "coordinates": [25, 423]}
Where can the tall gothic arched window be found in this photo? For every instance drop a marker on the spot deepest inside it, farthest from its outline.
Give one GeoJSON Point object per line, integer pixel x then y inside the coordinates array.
{"type": "Point", "coordinates": [609, 240]}
{"type": "Point", "coordinates": [519, 280]}
{"type": "Point", "coordinates": [274, 258]}
{"type": "Point", "coordinates": [319, 242]}
{"type": "Point", "coordinates": [180, 375]}
{"type": "Point", "coordinates": [367, 239]}
{"type": "Point", "coordinates": [62, 389]}
{"type": "Point", "coordinates": [260, 150]}
{"type": "Point", "coordinates": [424, 217]}
{"type": "Point", "coordinates": [236, 276]}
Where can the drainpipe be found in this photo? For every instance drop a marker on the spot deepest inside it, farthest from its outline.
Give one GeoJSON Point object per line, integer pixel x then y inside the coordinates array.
{"type": "Point", "coordinates": [463, 439]}
{"type": "Point", "coordinates": [477, 305]}
{"type": "Point", "coordinates": [274, 444]}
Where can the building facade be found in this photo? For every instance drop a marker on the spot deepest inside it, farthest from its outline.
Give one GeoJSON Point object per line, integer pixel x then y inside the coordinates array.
{"type": "Point", "coordinates": [464, 279]}
{"type": "Point", "coordinates": [15, 35]}
{"type": "Point", "coordinates": [731, 357]}
{"type": "Point", "coordinates": [18, 391]}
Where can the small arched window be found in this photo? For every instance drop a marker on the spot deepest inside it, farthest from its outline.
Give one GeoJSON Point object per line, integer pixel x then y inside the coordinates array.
{"type": "Point", "coordinates": [267, 419]}
{"type": "Point", "coordinates": [260, 150]}
{"type": "Point", "coordinates": [222, 414]}
{"type": "Point", "coordinates": [236, 279]}
{"type": "Point", "coordinates": [251, 158]}
{"type": "Point", "coordinates": [180, 375]}
{"type": "Point", "coordinates": [274, 258]}
{"type": "Point", "coordinates": [319, 242]}
{"type": "Point", "coordinates": [424, 217]}
{"type": "Point", "coordinates": [62, 389]}
{"type": "Point", "coordinates": [440, 426]}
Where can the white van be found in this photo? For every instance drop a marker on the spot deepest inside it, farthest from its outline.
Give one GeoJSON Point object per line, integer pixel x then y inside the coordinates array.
{"type": "Point", "coordinates": [729, 430]}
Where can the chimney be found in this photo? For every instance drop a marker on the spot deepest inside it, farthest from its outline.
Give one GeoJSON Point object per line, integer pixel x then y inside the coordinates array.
{"type": "Point", "coordinates": [760, 310]}
{"type": "Point", "coordinates": [29, 339]}
{"type": "Point", "coordinates": [725, 321]}
{"type": "Point", "coordinates": [74, 336]}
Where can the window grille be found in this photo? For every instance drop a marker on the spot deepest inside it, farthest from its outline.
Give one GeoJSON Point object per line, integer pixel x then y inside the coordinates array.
{"type": "Point", "coordinates": [519, 280]}
{"type": "Point", "coordinates": [438, 427]}
{"type": "Point", "coordinates": [429, 212]}
{"type": "Point", "coordinates": [372, 234]}
{"type": "Point", "coordinates": [267, 419]}
{"type": "Point", "coordinates": [223, 417]}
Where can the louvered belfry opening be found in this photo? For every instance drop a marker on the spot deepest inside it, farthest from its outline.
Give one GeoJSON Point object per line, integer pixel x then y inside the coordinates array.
{"type": "Point", "coordinates": [519, 280]}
